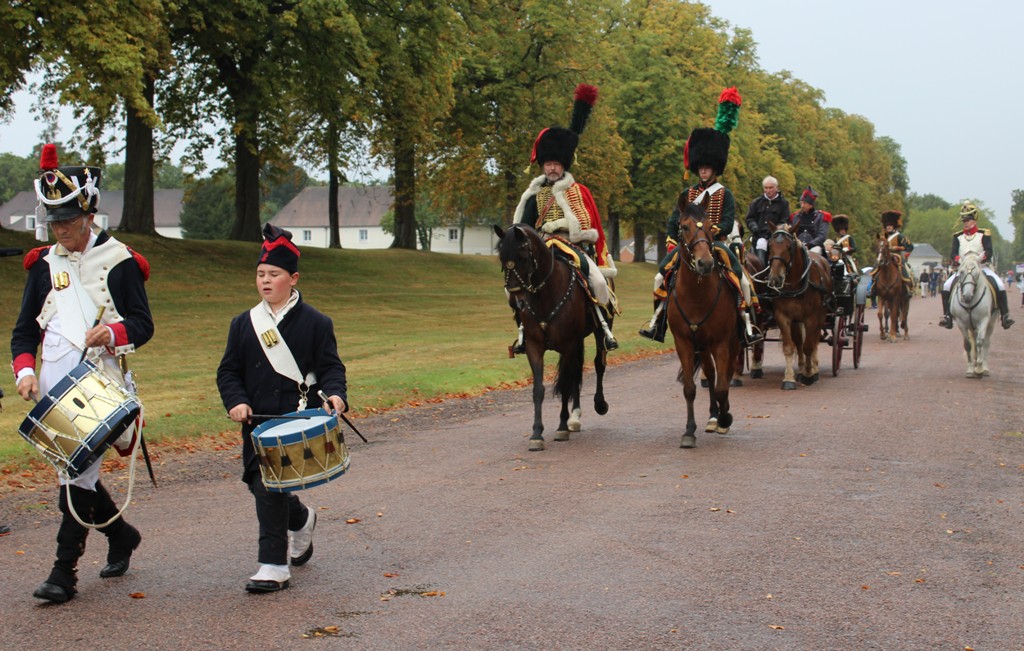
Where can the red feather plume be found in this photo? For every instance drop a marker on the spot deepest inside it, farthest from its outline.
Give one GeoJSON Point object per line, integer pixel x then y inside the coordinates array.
{"type": "Point", "coordinates": [586, 93]}
{"type": "Point", "coordinates": [48, 157]}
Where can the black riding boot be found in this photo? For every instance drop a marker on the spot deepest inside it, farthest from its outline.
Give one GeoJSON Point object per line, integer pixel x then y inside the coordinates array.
{"type": "Point", "coordinates": [763, 257]}
{"type": "Point", "coordinates": [60, 585]}
{"type": "Point", "coordinates": [659, 321]}
{"type": "Point", "coordinates": [1004, 310]}
{"type": "Point", "coordinates": [947, 320]}
{"type": "Point", "coordinates": [122, 537]}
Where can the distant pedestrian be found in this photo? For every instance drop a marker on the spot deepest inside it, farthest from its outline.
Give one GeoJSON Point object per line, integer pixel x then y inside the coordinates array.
{"type": "Point", "coordinates": [925, 279]}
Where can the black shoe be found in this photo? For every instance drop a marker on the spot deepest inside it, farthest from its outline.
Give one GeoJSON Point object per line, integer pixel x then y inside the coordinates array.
{"type": "Point", "coordinates": [1007, 321]}
{"type": "Point", "coordinates": [120, 554]}
{"type": "Point", "coordinates": [54, 593]}
{"type": "Point", "coordinates": [947, 322]}
{"type": "Point", "coordinates": [647, 332]}
{"type": "Point", "coordinates": [259, 587]}
{"type": "Point", "coordinates": [654, 335]}
{"type": "Point", "coordinates": [518, 348]}
{"type": "Point", "coordinates": [753, 338]}
{"type": "Point", "coordinates": [611, 344]}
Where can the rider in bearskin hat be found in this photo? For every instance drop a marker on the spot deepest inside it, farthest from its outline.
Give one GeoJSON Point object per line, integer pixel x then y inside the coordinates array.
{"type": "Point", "coordinates": [557, 206]}
{"type": "Point", "coordinates": [706, 154]}
{"type": "Point", "coordinates": [971, 239]}
{"type": "Point", "coordinates": [892, 221]}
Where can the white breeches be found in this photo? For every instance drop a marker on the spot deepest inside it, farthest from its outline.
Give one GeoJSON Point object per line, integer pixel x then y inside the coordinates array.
{"type": "Point", "coordinates": [946, 286]}
{"type": "Point", "coordinates": [598, 284]}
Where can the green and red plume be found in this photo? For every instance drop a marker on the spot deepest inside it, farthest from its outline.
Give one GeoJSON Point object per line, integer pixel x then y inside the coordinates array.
{"type": "Point", "coordinates": [48, 157]}
{"type": "Point", "coordinates": [728, 110]}
{"type": "Point", "coordinates": [583, 103]}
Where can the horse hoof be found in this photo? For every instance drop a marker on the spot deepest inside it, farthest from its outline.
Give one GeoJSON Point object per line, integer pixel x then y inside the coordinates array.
{"type": "Point", "coordinates": [574, 421]}
{"type": "Point", "coordinates": [789, 386]}
{"type": "Point", "coordinates": [536, 445]}
{"type": "Point", "coordinates": [807, 381]}
{"type": "Point", "coordinates": [756, 374]}
{"type": "Point", "coordinates": [601, 407]}
{"type": "Point", "coordinates": [563, 434]}
{"type": "Point", "coordinates": [703, 383]}
{"type": "Point", "coordinates": [735, 382]}
{"type": "Point", "coordinates": [712, 425]}
{"type": "Point", "coordinates": [985, 373]}
{"type": "Point", "coordinates": [689, 441]}
{"type": "Point", "coordinates": [722, 430]}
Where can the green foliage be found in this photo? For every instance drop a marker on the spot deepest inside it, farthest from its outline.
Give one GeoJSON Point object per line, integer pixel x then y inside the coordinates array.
{"type": "Point", "coordinates": [208, 207]}
{"type": "Point", "coordinates": [16, 175]}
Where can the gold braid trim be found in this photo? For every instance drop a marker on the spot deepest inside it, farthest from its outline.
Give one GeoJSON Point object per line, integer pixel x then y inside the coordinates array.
{"type": "Point", "coordinates": [575, 198]}
{"type": "Point", "coordinates": [712, 204]}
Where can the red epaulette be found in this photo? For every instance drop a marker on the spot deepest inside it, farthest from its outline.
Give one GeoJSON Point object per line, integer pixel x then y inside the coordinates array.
{"type": "Point", "coordinates": [33, 256]}
{"type": "Point", "coordinates": [141, 261]}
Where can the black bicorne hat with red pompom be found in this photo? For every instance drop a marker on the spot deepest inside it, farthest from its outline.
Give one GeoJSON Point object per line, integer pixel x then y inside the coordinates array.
{"type": "Point", "coordinates": [558, 143]}
{"type": "Point", "coordinates": [66, 192]}
{"type": "Point", "coordinates": [278, 249]}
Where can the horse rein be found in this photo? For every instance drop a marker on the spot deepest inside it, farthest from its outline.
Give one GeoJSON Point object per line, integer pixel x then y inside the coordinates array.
{"type": "Point", "coordinates": [511, 267]}
{"type": "Point", "coordinates": [805, 277]}
{"type": "Point", "coordinates": [692, 263]}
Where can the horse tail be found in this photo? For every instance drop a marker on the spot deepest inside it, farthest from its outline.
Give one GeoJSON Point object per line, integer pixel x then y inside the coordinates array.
{"type": "Point", "coordinates": [569, 378]}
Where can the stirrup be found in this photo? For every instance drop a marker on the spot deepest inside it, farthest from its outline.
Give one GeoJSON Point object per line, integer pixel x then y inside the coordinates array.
{"type": "Point", "coordinates": [754, 337]}
{"type": "Point", "coordinates": [946, 322]}
{"type": "Point", "coordinates": [1006, 321]}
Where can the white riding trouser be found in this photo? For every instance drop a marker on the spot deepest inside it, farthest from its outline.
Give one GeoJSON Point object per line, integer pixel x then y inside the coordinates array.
{"type": "Point", "coordinates": [948, 285]}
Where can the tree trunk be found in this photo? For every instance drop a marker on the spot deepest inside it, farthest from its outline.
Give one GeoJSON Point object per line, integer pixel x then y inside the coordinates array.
{"type": "Point", "coordinates": [611, 233]}
{"type": "Point", "coordinates": [334, 241]}
{"type": "Point", "coordinates": [137, 215]}
{"type": "Point", "coordinates": [662, 247]}
{"type": "Point", "coordinates": [639, 244]}
{"type": "Point", "coordinates": [405, 194]}
{"type": "Point", "coordinates": [247, 227]}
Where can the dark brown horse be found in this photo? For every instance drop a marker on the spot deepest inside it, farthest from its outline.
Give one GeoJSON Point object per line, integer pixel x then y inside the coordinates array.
{"type": "Point", "coordinates": [704, 323]}
{"type": "Point", "coordinates": [548, 295]}
{"type": "Point", "coordinates": [801, 283]}
{"type": "Point", "coordinates": [892, 292]}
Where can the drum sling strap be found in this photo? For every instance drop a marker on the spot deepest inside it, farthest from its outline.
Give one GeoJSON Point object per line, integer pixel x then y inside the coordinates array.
{"type": "Point", "coordinates": [277, 352]}
{"type": "Point", "coordinates": [74, 305]}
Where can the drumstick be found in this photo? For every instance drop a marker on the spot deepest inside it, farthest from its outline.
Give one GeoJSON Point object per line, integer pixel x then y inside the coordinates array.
{"type": "Point", "coordinates": [282, 417]}
{"type": "Point", "coordinates": [99, 315]}
{"type": "Point", "coordinates": [327, 401]}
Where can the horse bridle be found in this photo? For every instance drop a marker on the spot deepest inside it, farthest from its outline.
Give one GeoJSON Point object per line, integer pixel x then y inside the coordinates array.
{"type": "Point", "coordinates": [692, 262]}
{"type": "Point", "coordinates": [805, 277]}
{"type": "Point", "coordinates": [512, 267]}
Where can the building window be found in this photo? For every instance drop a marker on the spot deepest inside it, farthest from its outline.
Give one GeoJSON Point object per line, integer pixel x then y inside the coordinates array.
{"type": "Point", "coordinates": [30, 222]}
{"type": "Point", "coordinates": [363, 234]}
{"type": "Point", "coordinates": [103, 221]}
{"type": "Point", "coordinates": [307, 235]}
{"type": "Point", "coordinates": [453, 235]}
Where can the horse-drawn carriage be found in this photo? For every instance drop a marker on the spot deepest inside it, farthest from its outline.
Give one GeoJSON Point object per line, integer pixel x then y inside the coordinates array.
{"type": "Point", "coordinates": [812, 291]}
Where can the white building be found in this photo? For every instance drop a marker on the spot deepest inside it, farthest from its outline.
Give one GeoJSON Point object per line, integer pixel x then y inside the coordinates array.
{"type": "Point", "coordinates": [20, 212]}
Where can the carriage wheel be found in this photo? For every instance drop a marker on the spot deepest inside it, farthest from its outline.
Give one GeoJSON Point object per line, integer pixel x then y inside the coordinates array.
{"type": "Point", "coordinates": [838, 332]}
{"type": "Point", "coordinates": [858, 334]}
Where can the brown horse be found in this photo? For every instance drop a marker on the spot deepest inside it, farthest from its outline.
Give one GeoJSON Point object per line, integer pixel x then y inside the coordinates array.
{"type": "Point", "coordinates": [549, 298]}
{"type": "Point", "coordinates": [801, 283]}
{"type": "Point", "coordinates": [892, 292]}
{"type": "Point", "coordinates": [704, 324]}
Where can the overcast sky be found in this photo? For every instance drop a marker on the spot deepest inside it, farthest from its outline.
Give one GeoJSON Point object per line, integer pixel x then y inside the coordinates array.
{"type": "Point", "coordinates": [937, 77]}
{"type": "Point", "coordinates": [940, 78]}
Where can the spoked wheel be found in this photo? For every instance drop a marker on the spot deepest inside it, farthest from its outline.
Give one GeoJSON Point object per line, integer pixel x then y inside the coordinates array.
{"type": "Point", "coordinates": [858, 334]}
{"type": "Point", "coordinates": [838, 333]}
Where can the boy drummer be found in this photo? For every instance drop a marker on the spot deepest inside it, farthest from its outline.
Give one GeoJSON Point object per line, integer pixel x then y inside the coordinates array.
{"type": "Point", "coordinates": [254, 378]}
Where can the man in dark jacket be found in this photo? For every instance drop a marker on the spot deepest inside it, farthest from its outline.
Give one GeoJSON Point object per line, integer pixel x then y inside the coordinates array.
{"type": "Point", "coordinates": [770, 208]}
{"type": "Point", "coordinates": [250, 382]}
{"type": "Point", "coordinates": [810, 225]}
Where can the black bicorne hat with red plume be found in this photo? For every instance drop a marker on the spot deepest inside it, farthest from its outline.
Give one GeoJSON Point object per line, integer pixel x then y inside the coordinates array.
{"type": "Point", "coordinates": [278, 249]}
{"type": "Point", "coordinates": [65, 192]}
{"type": "Point", "coordinates": [558, 143]}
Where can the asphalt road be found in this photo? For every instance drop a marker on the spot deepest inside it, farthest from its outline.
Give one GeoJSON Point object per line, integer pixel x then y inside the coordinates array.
{"type": "Point", "coordinates": [880, 509]}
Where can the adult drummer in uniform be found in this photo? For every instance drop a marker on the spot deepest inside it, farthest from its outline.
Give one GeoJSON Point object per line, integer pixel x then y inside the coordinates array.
{"type": "Point", "coordinates": [280, 356]}
{"type": "Point", "coordinates": [67, 284]}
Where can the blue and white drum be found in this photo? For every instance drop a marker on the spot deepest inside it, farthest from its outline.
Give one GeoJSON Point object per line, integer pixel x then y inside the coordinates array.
{"type": "Point", "coordinates": [80, 417]}
{"type": "Point", "coordinates": [301, 450]}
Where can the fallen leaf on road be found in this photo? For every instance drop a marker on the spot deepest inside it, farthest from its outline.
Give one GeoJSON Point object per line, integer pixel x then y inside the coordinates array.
{"type": "Point", "coordinates": [391, 575]}
{"type": "Point", "coordinates": [352, 520]}
{"type": "Point", "coordinates": [714, 509]}
{"type": "Point", "coordinates": [777, 627]}
{"type": "Point", "coordinates": [138, 595]}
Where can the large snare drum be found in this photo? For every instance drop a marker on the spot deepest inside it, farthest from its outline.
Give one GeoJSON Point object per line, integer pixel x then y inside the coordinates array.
{"type": "Point", "coordinates": [301, 451]}
{"type": "Point", "coordinates": [80, 417]}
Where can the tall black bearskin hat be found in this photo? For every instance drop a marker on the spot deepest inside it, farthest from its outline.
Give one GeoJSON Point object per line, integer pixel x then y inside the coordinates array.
{"type": "Point", "coordinates": [65, 192]}
{"type": "Point", "coordinates": [711, 146]}
{"type": "Point", "coordinates": [892, 218]}
{"type": "Point", "coordinates": [841, 223]}
{"type": "Point", "coordinates": [968, 211]}
{"type": "Point", "coordinates": [558, 143]}
{"type": "Point", "coordinates": [278, 249]}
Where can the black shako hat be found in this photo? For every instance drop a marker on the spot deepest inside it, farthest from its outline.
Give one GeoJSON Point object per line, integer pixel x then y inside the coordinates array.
{"type": "Point", "coordinates": [278, 249]}
{"type": "Point", "coordinates": [65, 192]}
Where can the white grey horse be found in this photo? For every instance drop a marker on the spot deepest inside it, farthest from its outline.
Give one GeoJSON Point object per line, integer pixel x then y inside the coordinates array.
{"type": "Point", "coordinates": [973, 306]}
